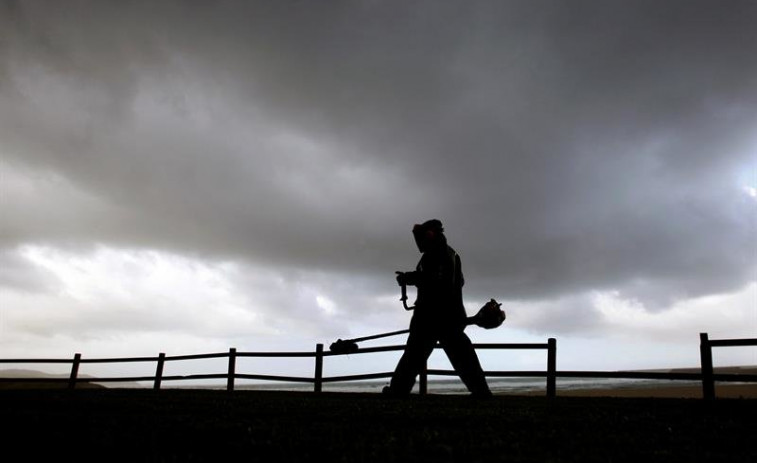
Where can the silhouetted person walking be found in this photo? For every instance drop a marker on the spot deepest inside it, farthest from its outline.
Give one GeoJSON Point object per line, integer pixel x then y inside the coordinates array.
{"type": "Point", "coordinates": [439, 315]}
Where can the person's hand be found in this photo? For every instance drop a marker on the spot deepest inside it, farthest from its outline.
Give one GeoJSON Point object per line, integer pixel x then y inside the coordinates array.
{"type": "Point", "coordinates": [401, 279]}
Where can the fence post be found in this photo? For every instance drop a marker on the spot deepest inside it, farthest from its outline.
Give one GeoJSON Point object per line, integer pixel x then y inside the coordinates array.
{"type": "Point", "coordinates": [159, 371]}
{"type": "Point", "coordinates": [423, 382]}
{"type": "Point", "coordinates": [318, 380]}
{"type": "Point", "coordinates": [74, 371]}
{"type": "Point", "coordinates": [232, 369]}
{"type": "Point", "coordinates": [705, 354]}
{"type": "Point", "coordinates": [551, 367]}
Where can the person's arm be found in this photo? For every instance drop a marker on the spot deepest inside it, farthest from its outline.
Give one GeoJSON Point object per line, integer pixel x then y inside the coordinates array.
{"type": "Point", "coordinates": [436, 272]}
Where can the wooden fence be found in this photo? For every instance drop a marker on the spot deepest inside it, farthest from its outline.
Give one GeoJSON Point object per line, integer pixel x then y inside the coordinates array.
{"type": "Point", "coordinates": [705, 354]}
{"type": "Point", "coordinates": [706, 375]}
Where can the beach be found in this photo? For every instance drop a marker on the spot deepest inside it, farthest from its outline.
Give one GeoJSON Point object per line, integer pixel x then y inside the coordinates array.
{"type": "Point", "coordinates": [212, 425]}
{"type": "Point", "coordinates": [731, 391]}
{"type": "Point", "coordinates": [694, 391]}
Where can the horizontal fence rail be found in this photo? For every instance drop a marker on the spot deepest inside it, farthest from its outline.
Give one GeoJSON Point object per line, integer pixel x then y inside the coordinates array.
{"type": "Point", "coordinates": [706, 374]}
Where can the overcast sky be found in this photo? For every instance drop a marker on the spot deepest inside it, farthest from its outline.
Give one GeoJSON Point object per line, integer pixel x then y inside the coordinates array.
{"type": "Point", "coordinates": [185, 177]}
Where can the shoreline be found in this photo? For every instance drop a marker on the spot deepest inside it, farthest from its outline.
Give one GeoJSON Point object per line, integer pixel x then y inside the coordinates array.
{"type": "Point", "coordinates": [723, 391]}
{"type": "Point", "coordinates": [673, 391]}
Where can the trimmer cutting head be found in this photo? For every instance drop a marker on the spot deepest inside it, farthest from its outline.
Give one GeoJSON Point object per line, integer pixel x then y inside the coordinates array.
{"type": "Point", "coordinates": [343, 346]}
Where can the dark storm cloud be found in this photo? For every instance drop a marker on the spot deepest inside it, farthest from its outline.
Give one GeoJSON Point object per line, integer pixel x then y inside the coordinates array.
{"type": "Point", "coordinates": [566, 146]}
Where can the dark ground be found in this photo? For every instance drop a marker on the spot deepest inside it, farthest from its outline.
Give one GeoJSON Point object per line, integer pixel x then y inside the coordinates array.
{"type": "Point", "coordinates": [206, 425]}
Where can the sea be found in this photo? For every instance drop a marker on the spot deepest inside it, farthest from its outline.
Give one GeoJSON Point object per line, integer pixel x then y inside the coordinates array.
{"type": "Point", "coordinates": [512, 386]}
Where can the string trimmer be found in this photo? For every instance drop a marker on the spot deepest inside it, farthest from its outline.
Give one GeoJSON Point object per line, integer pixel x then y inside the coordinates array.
{"type": "Point", "coordinates": [489, 316]}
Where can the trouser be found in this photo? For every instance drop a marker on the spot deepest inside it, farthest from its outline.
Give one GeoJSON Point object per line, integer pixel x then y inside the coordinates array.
{"type": "Point", "coordinates": [458, 347]}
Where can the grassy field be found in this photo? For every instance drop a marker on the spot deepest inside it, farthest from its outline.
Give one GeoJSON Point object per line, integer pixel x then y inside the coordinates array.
{"type": "Point", "coordinates": [206, 425]}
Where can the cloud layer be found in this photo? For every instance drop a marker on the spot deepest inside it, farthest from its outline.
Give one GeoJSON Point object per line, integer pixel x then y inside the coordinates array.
{"type": "Point", "coordinates": [596, 146]}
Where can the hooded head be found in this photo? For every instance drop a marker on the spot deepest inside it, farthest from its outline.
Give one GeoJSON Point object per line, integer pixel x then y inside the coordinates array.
{"type": "Point", "coordinates": [429, 235]}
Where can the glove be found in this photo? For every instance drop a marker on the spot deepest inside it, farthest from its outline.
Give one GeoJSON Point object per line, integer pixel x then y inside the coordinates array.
{"type": "Point", "coordinates": [407, 278]}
